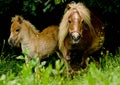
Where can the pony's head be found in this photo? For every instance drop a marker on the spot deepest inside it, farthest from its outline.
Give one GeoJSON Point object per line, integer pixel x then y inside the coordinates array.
{"type": "Point", "coordinates": [75, 20]}
{"type": "Point", "coordinates": [20, 28]}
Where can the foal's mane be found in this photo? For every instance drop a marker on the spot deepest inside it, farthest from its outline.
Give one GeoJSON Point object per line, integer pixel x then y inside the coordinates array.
{"type": "Point", "coordinates": [63, 28]}
{"type": "Point", "coordinates": [28, 25]}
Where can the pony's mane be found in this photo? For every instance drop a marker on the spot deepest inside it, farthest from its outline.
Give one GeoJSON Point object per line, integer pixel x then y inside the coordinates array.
{"type": "Point", "coordinates": [21, 20]}
{"type": "Point", "coordinates": [84, 13]}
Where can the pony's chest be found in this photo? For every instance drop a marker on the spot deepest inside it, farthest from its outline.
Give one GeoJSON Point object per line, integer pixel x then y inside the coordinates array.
{"type": "Point", "coordinates": [81, 46]}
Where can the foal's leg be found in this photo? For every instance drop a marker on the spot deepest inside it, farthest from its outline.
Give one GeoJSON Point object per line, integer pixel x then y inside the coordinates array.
{"type": "Point", "coordinates": [36, 69]}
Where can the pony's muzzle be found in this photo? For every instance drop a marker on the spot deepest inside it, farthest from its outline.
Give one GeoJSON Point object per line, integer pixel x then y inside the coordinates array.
{"type": "Point", "coordinates": [75, 36]}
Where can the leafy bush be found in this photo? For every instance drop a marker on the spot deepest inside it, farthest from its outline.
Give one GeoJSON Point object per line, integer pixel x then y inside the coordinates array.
{"type": "Point", "coordinates": [107, 73]}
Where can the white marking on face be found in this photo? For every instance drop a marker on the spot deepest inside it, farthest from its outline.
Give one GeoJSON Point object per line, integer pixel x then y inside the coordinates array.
{"type": "Point", "coordinates": [75, 38]}
{"type": "Point", "coordinates": [76, 16]}
{"type": "Point", "coordinates": [75, 34]}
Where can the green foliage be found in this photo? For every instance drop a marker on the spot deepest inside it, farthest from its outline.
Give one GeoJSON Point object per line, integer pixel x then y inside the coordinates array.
{"type": "Point", "coordinates": [107, 73]}
{"type": "Point", "coordinates": [59, 1]}
{"type": "Point", "coordinates": [30, 5]}
{"type": "Point", "coordinates": [3, 5]}
{"type": "Point", "coordinates": [49, 5]}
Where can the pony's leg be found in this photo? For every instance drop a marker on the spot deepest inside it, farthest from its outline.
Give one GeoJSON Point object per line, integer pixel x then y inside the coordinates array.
{"type": "Point", "coordinates": [63, 59]}
{"type": "Point", "coordinates": [67, 61]}
{"type": "Point", "coordinates": [85, 60]}
{"type": "Point", "coordinates": [95, 46]}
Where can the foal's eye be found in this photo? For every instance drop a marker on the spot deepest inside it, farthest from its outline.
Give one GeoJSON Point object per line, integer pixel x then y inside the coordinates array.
{"type": "Point", "coordinates": [17, 30]}
{"type": "Point", "coordinates": [69, 21]}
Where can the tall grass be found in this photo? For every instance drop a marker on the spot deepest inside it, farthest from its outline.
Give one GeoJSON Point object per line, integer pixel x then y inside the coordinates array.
{"type": "Point", "coordinates": [14, 72]}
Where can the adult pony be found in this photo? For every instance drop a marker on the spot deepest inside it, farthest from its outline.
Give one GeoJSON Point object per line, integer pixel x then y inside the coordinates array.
{"type": "Point", "coordinates": [24, 34]}
{"type": "Point", "coordinates": [79, 31]}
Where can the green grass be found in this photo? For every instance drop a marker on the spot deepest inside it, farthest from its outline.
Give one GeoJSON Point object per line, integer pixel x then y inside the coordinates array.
{"type": "Point", "coordinates": [15, 72]}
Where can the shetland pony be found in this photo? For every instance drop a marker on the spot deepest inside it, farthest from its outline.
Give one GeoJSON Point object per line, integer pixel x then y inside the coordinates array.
{"type": "Point", "coordinates": [79, 31]}
{"type": "Point", "coordinates": [25, 35]}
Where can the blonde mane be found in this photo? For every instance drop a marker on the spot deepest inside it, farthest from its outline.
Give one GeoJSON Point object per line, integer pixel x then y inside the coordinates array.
{"type": "Point", "coordinates": [21, 20]}
{"type": "Point", "coordinates": [63, 28]}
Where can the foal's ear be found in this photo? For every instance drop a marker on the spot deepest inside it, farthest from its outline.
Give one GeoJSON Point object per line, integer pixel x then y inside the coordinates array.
{"type": "Point", "coordinates": [20, 19]}
{"type": "Point", "coordinates": [17, 18]}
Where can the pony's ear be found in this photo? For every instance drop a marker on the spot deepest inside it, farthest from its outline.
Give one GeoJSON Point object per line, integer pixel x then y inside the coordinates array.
{"type": "Point", "coordinates": [67, 8]}
{"type": "Point", "coordinates": [72, 2]}
{"type": "Point", "coordinates": [69, 5]}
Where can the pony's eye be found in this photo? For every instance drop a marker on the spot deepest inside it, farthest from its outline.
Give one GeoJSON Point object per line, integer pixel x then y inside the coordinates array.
{"type": "Point", "coordinates": [69, 21]}
{"type": "Point", "coordinates": [17, 30]}
{"type": "Point", "coordinates": [82, 21]}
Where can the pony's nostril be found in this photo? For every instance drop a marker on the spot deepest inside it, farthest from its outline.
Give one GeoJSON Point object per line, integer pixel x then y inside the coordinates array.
{"type": "Point", "coordinates": [75, 36]}
{"type": "Point", "coordinates": [78, 37]}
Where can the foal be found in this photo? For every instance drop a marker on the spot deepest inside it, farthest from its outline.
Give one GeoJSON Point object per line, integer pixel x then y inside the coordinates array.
{"type": "Point", "coordinates": [24, 34]}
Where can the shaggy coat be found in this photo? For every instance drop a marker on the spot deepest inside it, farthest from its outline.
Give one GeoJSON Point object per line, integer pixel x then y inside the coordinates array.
{"type": "Point", "coordinates": [24, 34]}
{"type": "Point", "coordinates": [91, 31]}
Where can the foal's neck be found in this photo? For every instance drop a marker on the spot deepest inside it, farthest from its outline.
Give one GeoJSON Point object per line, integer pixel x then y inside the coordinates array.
{"type": "Point", "coordinates": [30, 34]}
{"type": "Point", "coordinates": [29, 42]}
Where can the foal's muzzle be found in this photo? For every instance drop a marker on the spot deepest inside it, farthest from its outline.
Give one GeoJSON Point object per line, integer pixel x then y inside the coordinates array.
{"type": "Point", "coordinates": [11, 42]}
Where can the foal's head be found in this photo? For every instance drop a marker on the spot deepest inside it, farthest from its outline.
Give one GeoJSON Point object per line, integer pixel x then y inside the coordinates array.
{"type": "Point", "coordinates": [21, 30]}
{"type": "Point", "coordinates": [15, 31]}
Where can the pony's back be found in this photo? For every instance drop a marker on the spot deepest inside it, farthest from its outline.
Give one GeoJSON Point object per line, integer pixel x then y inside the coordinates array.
{"type": "Point", "coordinates": [98, 25]}
{"type": "Point", "coordinates": [99, 30]}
